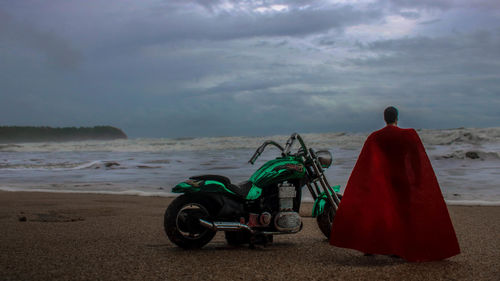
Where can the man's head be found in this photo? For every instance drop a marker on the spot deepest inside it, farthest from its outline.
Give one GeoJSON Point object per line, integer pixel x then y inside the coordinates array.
{"type": "Point", "coordinates": [391, 115]}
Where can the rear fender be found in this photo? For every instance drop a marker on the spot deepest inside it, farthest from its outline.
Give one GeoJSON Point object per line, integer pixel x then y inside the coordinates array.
{"type": "Point", "coordinates": [224, 206]}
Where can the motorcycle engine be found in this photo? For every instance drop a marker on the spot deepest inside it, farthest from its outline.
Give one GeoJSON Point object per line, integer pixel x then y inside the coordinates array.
{"type": "Point", "coordinates": [287, 220]}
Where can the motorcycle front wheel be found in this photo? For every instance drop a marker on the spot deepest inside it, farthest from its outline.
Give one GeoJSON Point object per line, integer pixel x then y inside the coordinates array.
{"type": "Point", "coordinates": [325, 219]}
{"type": "Point", "coordinates": [181, 221]}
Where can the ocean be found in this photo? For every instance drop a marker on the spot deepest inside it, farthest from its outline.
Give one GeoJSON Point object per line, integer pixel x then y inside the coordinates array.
{"type": "Point", "coordinates": [466, 162]}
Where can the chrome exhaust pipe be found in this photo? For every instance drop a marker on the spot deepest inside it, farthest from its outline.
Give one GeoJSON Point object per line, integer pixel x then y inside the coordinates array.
{"type": "Point", "coordinates": [225, 226]}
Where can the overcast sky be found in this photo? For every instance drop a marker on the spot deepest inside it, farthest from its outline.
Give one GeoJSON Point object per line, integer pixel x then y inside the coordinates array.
{"type": "Point", "coordinates": [221, 67]}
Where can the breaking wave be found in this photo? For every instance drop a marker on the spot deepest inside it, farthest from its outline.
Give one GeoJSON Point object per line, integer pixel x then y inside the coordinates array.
{"type": "Point", "coordinates": [170, 194]}
{"type": "Point", "coordinates": [472, 203]}
{"type": "Point", "coordinates": [341, 140]}
{"type": "Point", "coordinates": [62, 166]}
{"type": "Point", "coordinates": [472, 136]}
{"type": "Point", "coordinates": [121, 192]}
{"type": "Point", "coordinates": [470, 155]}
{"type": "Point", "coordinates": [10, 147]}
{"type": "Point", "coordinates": [462, 158]}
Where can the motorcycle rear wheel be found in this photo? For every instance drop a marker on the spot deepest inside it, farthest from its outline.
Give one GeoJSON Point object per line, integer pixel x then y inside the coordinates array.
{"type": "Point", "coordinates": [181, 221]}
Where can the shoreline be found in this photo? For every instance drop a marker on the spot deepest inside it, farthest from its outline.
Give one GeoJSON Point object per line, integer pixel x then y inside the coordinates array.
{"type": "Point", "coordinates": [164, 194]}
{"type": "Point", "coordinates": [69, 236]}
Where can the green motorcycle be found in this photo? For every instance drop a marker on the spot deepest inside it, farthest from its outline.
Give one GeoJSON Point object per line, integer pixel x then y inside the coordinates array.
{"type": "Point", "coordinates": [251, 212]}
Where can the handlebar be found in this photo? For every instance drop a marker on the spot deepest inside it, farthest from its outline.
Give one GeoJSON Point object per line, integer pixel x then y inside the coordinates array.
{"type": "Point", "coordinates": [284, 151]}
{"type": "Point", "coordinates": [291, 140]}
{"type": "Point", "coordinates": [261, 148]}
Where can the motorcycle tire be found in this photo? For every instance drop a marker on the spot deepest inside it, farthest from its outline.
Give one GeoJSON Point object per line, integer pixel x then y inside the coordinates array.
{"type": "Point", "coordinates": [181, 221]}
{"type": "Point", "coordinates": [325, 219]}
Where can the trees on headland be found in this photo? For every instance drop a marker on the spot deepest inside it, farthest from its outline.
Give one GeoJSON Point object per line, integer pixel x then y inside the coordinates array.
{"type": "Point", "coordinates": [43, 134]}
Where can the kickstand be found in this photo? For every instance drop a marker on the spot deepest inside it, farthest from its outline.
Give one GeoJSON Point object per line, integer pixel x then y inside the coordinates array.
{"type": "Point", "coordinates": [263, 240]}
{"type": "Point", "coordinates": [251, 242]}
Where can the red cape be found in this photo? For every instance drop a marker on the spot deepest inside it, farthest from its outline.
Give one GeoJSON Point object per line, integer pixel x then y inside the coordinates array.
{"type": "Point", "coordinates": [393, 204]}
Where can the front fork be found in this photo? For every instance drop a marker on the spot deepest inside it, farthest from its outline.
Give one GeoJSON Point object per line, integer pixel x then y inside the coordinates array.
{"type": "Point", "coordinates": [321, 183]}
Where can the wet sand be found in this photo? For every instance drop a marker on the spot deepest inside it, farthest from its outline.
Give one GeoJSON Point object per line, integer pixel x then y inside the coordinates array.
{"type": "Point", "coordinates": [56, 236]}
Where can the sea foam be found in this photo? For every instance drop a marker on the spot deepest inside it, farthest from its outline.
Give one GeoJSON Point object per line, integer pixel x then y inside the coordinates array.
{"type": "Point", "coordinates": [466, 161]}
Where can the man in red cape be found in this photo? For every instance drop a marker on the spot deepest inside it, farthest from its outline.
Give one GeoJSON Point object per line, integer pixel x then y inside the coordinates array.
{"type": "Point", "coordinates": [392, 204]}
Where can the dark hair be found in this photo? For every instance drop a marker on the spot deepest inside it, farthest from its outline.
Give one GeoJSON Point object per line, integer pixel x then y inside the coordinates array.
{"type": "Point", "coordinates": [391, 115]}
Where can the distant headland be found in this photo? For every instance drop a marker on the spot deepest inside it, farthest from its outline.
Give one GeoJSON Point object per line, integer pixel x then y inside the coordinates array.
{"type": "Point", "coordinates": [9, 134]}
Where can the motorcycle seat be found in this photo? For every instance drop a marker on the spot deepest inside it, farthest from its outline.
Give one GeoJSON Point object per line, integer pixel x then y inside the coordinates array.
{"type": "Point", "coordinates": [241, 189]}
{"type": "Point", "coordinates": [225, 180]}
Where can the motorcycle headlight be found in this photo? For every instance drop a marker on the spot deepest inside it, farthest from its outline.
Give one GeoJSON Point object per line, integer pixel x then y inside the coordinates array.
{"type": "Point", "coordinates": [325, 158]}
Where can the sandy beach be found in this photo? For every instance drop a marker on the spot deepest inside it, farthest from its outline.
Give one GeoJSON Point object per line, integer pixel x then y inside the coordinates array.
{"type": "Point", "coordinates": [66, 236]}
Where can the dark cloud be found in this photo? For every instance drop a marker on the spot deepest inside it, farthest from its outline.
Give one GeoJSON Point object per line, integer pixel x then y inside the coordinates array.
{"type": "Point", "coordinates": [430, 21]}
{"type": "Point", "coordinates": [435, 4]}
{"type": "Point", "coordinates": [464, 53]}
{"type": "Point", "coordinates": [189, 26]}
{"type": "Point", "coordinates": [190, 68]}
{"type": "Point", "coordinates": [57, 51]}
